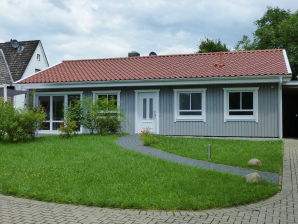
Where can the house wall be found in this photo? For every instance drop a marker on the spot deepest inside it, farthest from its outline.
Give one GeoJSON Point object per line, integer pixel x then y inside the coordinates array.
{"type": "Point", "coordinates": [267, 125]}
{"type": "Point", "coordinates": [19, 100]}
{"type": "Point", "coordinates": [34, 63]}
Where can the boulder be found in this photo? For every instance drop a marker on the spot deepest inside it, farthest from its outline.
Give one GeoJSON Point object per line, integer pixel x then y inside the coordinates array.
{"type": "Point", "coordinates": [253, 178]}
{"type": "Point", "coordinates": [254, 162]}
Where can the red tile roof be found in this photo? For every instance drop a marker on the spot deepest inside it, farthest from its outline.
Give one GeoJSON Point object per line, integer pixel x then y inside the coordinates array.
{"type": "Point", "coordinates": [227, 64]}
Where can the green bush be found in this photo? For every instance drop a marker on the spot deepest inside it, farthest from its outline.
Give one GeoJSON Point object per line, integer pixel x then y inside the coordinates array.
{"type": "Point", "coordinates": [101, 117]}
{"type": "Point", "coordinates": [19, 125]}
{"type": "Point", "coordinates": [148, 138]}
{"type": "Point", "coordinates": [68, 128]}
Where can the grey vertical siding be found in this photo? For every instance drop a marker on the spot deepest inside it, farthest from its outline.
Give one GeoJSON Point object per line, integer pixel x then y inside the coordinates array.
{"type": "Point", "coordinates": [267, 126]}
{"type": "Point", "coordinates": [127, 105]}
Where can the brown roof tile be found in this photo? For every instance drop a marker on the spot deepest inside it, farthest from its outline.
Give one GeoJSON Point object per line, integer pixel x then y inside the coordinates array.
{"type": "Point", "coordinates": [18, 61]}
{"type": "Point", "coordinates": [228, 64]}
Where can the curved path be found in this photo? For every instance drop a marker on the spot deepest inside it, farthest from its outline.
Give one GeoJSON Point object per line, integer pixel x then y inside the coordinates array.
{"type": "Point", "coordinates": [133, 142]}
{"type": "Point", "coordinates": [281, 208]}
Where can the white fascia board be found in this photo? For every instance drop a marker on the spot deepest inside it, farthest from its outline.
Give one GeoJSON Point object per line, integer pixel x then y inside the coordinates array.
{"type": "Point", "coordinates": [165, 82]}
{"type": "Point", "coordinates": [287, 61]}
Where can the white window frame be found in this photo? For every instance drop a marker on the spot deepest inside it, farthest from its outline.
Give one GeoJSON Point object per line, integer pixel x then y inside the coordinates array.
{"type": "Point", "coordinates": [38, 57]}
{"type": "Point", "coordinates": [51, 94]}
{"type": "Point", "coordinates": [107, 92]}
{"type": "Point", "coordinates": [178, 117]}
{"type": "Point", "coordinates": [254, 117]}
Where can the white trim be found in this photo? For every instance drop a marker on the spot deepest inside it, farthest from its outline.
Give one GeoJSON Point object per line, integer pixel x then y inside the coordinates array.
{"type": "Point", "coordinates": [107, 92]}
{"type": "Point", "coordinates": [158, 82]}
{"type": "Point", "coordinates": [178, 117]}
{"type": "Point", "coordinates": [254, 117]}
{"type": "Point", "coordinates": [51, 94]}
{"type": "Point", "coordinates": [290, 83]}
{"type": "Point", "coordinates": [287, 61]}
{"type": "Point", "coordinates": [280, 112]}
{"type": "Point", "coordinates": [137, 127]}
{"type": "Point", "coordinates": [5, 92]}
{"type": "Point", "coordinates": [58, 93]}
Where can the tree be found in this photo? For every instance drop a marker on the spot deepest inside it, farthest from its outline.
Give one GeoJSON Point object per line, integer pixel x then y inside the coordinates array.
{"type": "Point", "coordinates": [208, 45]}
{"type": "Point", "coordinates": [278, 28]}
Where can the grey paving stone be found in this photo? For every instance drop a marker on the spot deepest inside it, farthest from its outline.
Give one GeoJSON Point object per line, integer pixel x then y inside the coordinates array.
{"type": "Point", "coordinates": [133, 142]}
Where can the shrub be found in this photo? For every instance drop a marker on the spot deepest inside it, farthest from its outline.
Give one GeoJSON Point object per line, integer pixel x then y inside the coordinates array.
{"type": "Point", "coordinates": [148, 138]}
{"type": "Point", "coordinates": [73, 120]}
{"type": "Point", "coordinates": [102, 116]}
{"type": "Point", "coordinates": [19, 125]}
{"type": "Point", "coordinates": [68, 128]}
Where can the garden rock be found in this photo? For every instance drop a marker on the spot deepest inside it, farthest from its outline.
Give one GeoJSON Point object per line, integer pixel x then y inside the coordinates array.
{"type": "Point", "coordinates": [254, 162]}
{"type": "Point", "coordinates": [253, 178]}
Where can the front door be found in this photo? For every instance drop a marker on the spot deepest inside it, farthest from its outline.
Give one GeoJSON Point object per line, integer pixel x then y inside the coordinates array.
{"type": "Point", "coordinates": [147, 111]}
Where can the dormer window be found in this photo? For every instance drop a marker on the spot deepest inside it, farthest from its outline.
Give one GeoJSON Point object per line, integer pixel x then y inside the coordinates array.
{"type": "Point", "coordinates": [38, 57]}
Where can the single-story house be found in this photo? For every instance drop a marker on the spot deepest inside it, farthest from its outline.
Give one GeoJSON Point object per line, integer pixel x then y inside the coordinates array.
{"type": "Point", "coordinates": [242, 94]}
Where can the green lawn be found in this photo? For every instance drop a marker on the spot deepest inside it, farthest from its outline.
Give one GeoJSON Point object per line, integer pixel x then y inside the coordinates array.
{"type": "Point", "coordinates": [224, 151]}
{"type": "Point", "coordinates": [93, 170]}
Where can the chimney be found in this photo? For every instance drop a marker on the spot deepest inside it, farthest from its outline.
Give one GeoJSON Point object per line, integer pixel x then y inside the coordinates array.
{"type": "Point", "coordinates": [133, 54]}
{"type": "Point", "coordinates": [220, 63]}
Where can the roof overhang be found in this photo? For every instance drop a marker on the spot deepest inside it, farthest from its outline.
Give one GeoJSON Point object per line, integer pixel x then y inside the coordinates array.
{"type": "Point", "coordinates": [158, 82]}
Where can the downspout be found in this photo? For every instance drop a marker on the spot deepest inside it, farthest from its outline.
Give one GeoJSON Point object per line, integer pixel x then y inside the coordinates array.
{"type": "Point", "coordinates": [280, 112]}
{"type": "Point", "coordinates": [5, 92]}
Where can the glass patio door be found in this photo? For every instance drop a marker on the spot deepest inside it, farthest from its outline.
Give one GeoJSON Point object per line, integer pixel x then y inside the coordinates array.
{"type": "Point", "coordinates": [54, 109]}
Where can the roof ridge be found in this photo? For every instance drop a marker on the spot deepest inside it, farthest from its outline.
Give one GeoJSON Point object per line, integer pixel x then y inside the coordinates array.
{"type": "Point", "coordinates": [172, 55]}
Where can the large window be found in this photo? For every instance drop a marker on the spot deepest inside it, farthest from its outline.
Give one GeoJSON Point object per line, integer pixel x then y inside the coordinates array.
{"type": "Point", "coordinates": [54, 105]}
{"type": "Point", "coordinates": [241, 104]}
{"type": "Point", "coordinates": [190, 104]}
{"type": "Point", "coordinates": [108, 96]}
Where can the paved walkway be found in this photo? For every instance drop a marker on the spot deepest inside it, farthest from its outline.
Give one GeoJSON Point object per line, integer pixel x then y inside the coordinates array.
{"type": "Point", "coordinates": [281, 208]}
{"type": "Point", "coordinates": [133, 142]}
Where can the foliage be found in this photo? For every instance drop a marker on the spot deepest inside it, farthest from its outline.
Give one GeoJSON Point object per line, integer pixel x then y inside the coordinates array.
{"type": "Point", "coordinates": [73, 120]}
{"type": "Point", "coordinates": [75, 113]}
{"type": "Point", "coordinates": [94, 170]}
{"type": "Point", "coordinates": [19, 125]}
{"type": "Point", "coordinates": [278, 28]}
{"type": "Point", "coordinates": [207, 45]}
{"type": "Point", "coordinates": [103, 116]}
{"type": "Point", "coordinates": [68, 128]}
{"type": "Point", "coordinates": [148, 138]}
{"type": "Point", "coordinates": [226, 151]}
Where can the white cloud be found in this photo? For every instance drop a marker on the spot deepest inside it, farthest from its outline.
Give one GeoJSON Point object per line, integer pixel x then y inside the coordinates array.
{"type": "Point", "coordinates": [73, 29]}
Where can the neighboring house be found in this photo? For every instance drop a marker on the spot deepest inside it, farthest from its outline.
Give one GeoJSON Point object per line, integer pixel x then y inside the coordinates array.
{"type": "Point", "coordinates": [5, 76]}
{"type": "Point", "coordinates": [212, 94]}
{"type": "Point", "coordinates": [21, 60]}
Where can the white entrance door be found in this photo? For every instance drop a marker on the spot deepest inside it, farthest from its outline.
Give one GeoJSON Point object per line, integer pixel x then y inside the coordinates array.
{"type": "Point", "coordinates": [147, 110]}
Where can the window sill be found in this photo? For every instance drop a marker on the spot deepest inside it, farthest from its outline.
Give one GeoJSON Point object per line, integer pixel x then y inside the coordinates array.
{"type": "Point", "coordinates": [190, 119]}
{"type": "Point", "coordinates": [239, 118]}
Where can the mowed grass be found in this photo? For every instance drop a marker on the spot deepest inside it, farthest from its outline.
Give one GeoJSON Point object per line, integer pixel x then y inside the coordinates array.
{"type": "Point", "coordinates": [225, 151]}
{"type": "Point", "coordinates": [93, 170]}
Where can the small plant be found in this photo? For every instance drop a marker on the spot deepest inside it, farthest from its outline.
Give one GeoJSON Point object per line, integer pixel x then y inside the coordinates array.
{"type": "Point", "coordinates": [68, 128]}
{"type": "Point", "coordinates": [148, 138]}
{"type": "Point", "coordinates": [71, 124]}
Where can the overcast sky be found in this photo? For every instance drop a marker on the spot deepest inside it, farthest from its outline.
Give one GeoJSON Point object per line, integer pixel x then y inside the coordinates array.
{"type": "Point", "coordinates": [77, 29]}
